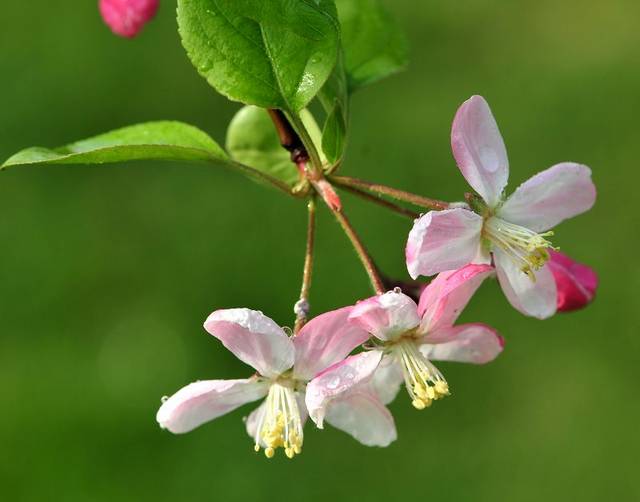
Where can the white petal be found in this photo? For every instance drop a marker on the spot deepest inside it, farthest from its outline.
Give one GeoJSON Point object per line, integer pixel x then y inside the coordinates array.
{"type": "Point", "coordinates": [551, 196]}
{"type": "Point", "coordinates": [254, 339]}
{"type": "Point", "coordinates": [338, 380]}
{"type": "Point", "coordinates": [443, 240]}
{"type": "Point", "coordinates": [362, 415]}
{"type": "Point", "coordinates": [388, 379]}
{"type": "Point", "coordinates": [324, 341]}
{"type": "Point", "coordinates": [467, 343]}
{"type": "Point", "coordinates": [203, 401]}
{"type": "Point", "coordinates": [386, 316]}
{"type": "Point", "coordinates": [533, 298]}
{"type": "Point", "coordinates": [479, 149]}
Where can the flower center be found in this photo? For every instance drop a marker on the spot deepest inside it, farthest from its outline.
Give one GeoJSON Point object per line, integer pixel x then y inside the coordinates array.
{"type": "Point", "coordinates": [280, 424]}
{"type": "Point", "coordinates": [527, 249]}
{"type": "Point", "coordinates": [424, 382]}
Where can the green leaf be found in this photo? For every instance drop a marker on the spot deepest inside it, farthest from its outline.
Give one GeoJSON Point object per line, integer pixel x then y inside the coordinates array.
{"type": "Point", "coordinates": [153, 140]}
{"type": "Point", "coordinates": [374, 43]}
{"type": "Point", "coordinates": [173, 141]}
{"type": "Point", "coordinates": [252, 140]}
{"type": "Point", "coordinates": [334, 98]}
{"type": "Point", "coordinates": [273, 54]}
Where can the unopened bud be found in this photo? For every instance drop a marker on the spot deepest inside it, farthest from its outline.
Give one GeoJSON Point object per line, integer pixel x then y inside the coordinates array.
{"type": "Point", "coordinates": [576, 283]}
{"type": "Point", "coordinates": [127, 17]}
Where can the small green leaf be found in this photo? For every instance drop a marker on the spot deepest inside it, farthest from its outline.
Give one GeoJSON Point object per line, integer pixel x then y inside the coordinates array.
{"type": "Point", "coordinates": [273, 54]}
{"type": "Point", "coordinates": [173, 141]}
{"type": "Point", "coordinates": [334, 98]}
{"type": "Point", "coordinates": [334, 135]}
{"type": "Point", "coordinates": [374, 44]}
{"type": "Point", "coordinates": [252, 140]}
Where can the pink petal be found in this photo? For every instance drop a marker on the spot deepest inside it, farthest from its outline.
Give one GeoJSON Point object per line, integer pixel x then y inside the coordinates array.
{"type": "Point", "coordinates": [338, 380]}
{"type": "Point", "coordinates": [387, 379]}
{"type": "Point", "coordinates": [254, 339]}
{"type": "Point", "coordinates": [576, 283]}
{"type": "Point", "coordinates": [447, 295]}
{"type": "Point", "coordinates": [551, 196]}
{"type": "Point", "coordinates": [324, 341]}
{"type": "Point", "coordinates": [127, 17]}
{"type": "Point", "coordinates": [479, 149]}
{"type": "Point", "coordinates": [443, 240]}
{"type": "Point", "coordinates": [535, 299]}
{"type": "Point", "coordinates": [362, 415]}
{"type": "Point", "coordinates": [203, 401]}
{"type": "Point", "coordinates": [467, 343]}
{"type": "Point", "coordinates": [386, 316]}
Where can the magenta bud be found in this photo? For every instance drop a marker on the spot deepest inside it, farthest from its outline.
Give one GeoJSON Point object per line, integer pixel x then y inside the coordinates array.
{"type": "Point", "coordinates": [576, 283]}
{"type": "Point", "coordinates": [127, 17]}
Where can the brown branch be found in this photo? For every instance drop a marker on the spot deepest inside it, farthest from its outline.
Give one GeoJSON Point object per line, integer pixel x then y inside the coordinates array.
{"type": "Point", "coordinates": [289, 138]}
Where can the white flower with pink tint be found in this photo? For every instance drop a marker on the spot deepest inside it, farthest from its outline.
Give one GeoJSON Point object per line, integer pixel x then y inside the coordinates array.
{"type": "Point", "coordinates": [513, 232]}
{"type": "Point", "coordinates": [407, 338]}
{"type": "Point", "coordinates": [284, 365]}
{"type": "Point", "coordinates": [127, 17]}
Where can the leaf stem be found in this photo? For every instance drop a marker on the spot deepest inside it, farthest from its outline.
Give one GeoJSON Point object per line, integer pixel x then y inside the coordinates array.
{"type": "Point", "coordinates": [417, 200]}
{"type": "Point", "coordinates": [381, 202]}
{"type": "Point", "coordinates": [365, 258]}
{"type": "Point", "coordinates": [301, 308]}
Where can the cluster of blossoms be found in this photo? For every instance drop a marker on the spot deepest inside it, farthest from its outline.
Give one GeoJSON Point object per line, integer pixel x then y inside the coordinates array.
{"type": "Point", "coordinates": [345, 366]}
{"type": "Point", "coordinates": [314, 373]}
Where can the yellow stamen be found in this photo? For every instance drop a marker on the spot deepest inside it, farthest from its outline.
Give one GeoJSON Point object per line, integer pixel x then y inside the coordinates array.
{"type": "Point", "coordinates": [526, 248]}
{"type": "Point", "coordinates": [280, 425]}
{"type": "Point", "coordinates": [424, 382]}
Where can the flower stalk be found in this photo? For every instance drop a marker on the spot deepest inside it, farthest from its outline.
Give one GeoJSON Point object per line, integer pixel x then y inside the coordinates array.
{"type": "Point", "coordinates": [363, 254]}
{"type": "Point", "coordinates": [301, 307]}
{"type": "Point", "coordinates": [416, 200]}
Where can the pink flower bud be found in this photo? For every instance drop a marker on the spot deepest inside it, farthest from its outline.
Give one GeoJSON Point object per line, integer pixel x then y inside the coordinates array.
{"type": "Point", "coordinates": [576, 283]}
{"type": "Point", "coordinates": [127, 17]}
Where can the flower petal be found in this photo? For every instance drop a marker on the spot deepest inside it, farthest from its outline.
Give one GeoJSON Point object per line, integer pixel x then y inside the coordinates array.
{"type": "Point", "coordinates": [386, 316]}
{"type": "Point", "coordinates": [254, 339]}
{"type": "Point", "coordinates": [533, 298]}
{"type": "Point", "coordinates": [203, 401]}
{"type": "Point", "coordinates": [387, 379]}
{"type": "Point", "coordinates": [551, 196]}
{"type": "Point", "coordinates": [324, 341]}
{"type": "Point", "coordinates": [479, 149]}
{"type": "Point", "coordinates": [447, 295]}
{"type": "Point", "coordinates": [338, 380]}
{"type": "Point", "coordinates": [362, 415]}
{"type": "Point", "coordinates": [443, 240]}
{"type": "Point", "coordinates": [576, 283]}
{"type": "Point", "coordinates": [467, 343]}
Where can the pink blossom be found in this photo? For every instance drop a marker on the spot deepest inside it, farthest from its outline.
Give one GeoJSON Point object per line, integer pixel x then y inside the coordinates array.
{"type": "Point", "coordinates": [407, 338]}
{"type": "Point", "coordinates": [284, 365]}
{"type": "Point", "coordinates": [576, 283]}
{"type": "Point", "coordinates": [127, 17]}
{"type": "Point", "coordinates": [513, 233]}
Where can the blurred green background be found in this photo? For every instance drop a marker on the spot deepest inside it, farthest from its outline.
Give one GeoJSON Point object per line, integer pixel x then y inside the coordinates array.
{"type": "Point", "coordinates": [108, 272]}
